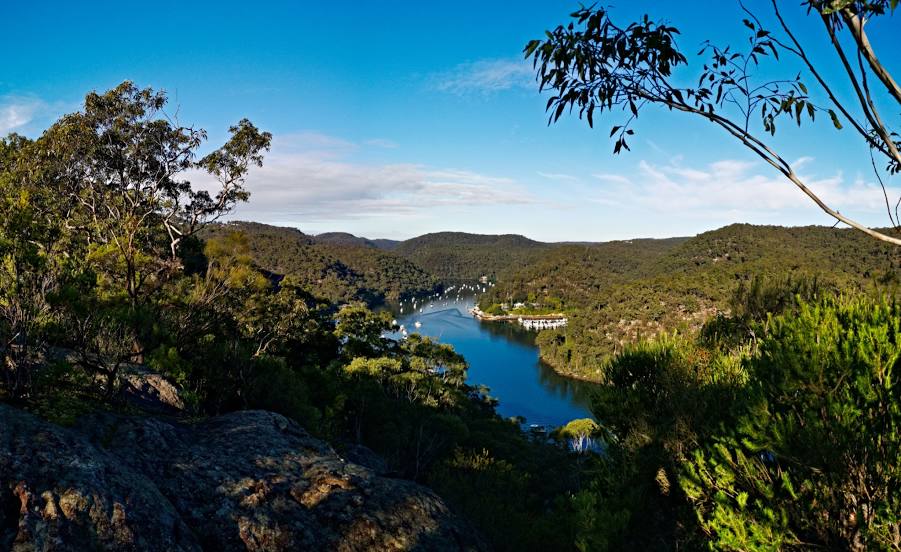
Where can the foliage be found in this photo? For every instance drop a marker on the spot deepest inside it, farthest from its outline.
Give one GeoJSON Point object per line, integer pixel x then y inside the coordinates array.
{"type": "Point", "coordinates": [578, 433]}
{"type": "Point", "coordinates": [453, 256]}
{"type": "Point", "coordinates": [813, 455]}
{"type": "Point", "coordinates": [593, 64]}
{"type": "Point", "coordinates": [336, 270]}
{"type": "Point", "coordinates": [619, 292]}
{"type": "Point", "coordinates": [109, 266]}
{"type": "Point", "coordinates": [660, 399]}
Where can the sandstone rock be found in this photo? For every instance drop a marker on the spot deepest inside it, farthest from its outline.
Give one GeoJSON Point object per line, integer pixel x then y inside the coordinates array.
{"type": "Point", "coordinates": [364, 456]}
{"type": "Point", "coordinates": [151, 392]}
{"type": "Point", "coordinates": [59, 492]}
{"type": "Point", "coordinates": [248, 480]}
{"type": "Point", "coordinates": [137, 386]}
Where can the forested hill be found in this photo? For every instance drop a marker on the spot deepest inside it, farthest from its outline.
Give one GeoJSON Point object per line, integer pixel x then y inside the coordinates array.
{"type": "Point", "coordinates": [462, 256]}
{"type": "Point", "coordinates": [620, 292]}
{"type": "Point", "coordinates": [332, 269]}
{"type": "Point", "coordinates": [342, 238]}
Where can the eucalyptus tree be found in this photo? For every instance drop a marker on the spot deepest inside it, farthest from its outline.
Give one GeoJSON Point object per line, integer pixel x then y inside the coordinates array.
{"type": "Point", "coordinates": [127, 165]}
{"type": "Point", "coordinates": [593, 65]}
{"type": "Point", "coordinates": [120, 169]}
{"type": "Point", "coordinates": [32, 260]}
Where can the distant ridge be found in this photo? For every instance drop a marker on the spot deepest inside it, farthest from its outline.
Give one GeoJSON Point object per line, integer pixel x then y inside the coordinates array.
{"type": "Point", "coordinates": [462, 256]}
{"type": "Point", "coordinates": [387, 245]}
{"type": "Point", "coordinates": [451, 255]}
{"type": "Point", "coordinates": [343, 238]}
{"type": "Point", "coordinates": [337, 266]}
{"type": "Point", "coordinates": [465, 238]}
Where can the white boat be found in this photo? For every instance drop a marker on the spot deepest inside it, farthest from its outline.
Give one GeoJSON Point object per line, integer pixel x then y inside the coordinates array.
{"type": "Point", "coordinates": [418, 324]}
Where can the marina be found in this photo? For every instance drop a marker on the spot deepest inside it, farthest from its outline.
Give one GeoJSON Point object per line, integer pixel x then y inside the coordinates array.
{"type": "Point", "coordinates": [502, 357]}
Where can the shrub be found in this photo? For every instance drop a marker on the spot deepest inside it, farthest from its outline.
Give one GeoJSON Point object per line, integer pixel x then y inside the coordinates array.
{"type": "Point", "coordinates": [814, 455]}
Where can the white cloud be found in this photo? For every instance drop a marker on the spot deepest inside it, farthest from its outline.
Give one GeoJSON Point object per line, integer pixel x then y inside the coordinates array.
{"type": "Point", "coordinates": [614, 178]}
{"type": "Point", "coordinates": [312, 178]}
{"type": "Point", "coordinates": [737, 190]}
{"type": "Point", "coordinates": [17, 112]}
{"type": "Point", "coordinates": [560, 177]}
{"type": "Point", "coordinates": [484, 76]}
{"type": "Point", "coordinates": [382, 143]}
{"type": "Point", "coordinates": [311, 141]}
{"type": "Point", "coordinates": [801, 161]}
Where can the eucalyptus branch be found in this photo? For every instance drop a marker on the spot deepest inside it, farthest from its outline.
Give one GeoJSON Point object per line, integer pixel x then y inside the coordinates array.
{"type": "Point", "coordinates": [601, 66]}
{"type": "Point", "coordinates": [872, 117]}
{"type": "Point", "coordinates": [855, 23]}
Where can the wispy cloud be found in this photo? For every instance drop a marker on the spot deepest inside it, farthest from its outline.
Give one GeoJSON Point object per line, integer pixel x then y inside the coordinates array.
{"type": "Point", "coordinates": [741, 189]}
{"type": "Point", "coordinates": [381, 143]}
{"type": "Point", "coordinates": [17, 112]}
{"type": "Point", "coordinates": [560, 177]}
{"type": "Point", "coordinates": [614, 178]}
{"type": "Point", "coordinates": [313, 178]}
{"type": "Point", "coordinates": [484, 77]}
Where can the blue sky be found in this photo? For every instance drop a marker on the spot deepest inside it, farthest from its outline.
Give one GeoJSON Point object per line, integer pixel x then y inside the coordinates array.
{"type": "Point", "coordinates": [392, 119]}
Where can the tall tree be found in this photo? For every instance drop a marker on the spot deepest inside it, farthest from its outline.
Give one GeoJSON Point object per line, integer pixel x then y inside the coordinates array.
{"type": "Point", "coordinates": [127, 160]}
{"type": "Point", "coordinates": [34, 258]}
{"type": "Point", "coordinates": [111, 178]}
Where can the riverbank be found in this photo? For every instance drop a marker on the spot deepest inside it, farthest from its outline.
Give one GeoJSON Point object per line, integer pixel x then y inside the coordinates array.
{"type": "Point", "coordinates": [562, 372]}
{"type": "Point", "coordinates": [485, 317]}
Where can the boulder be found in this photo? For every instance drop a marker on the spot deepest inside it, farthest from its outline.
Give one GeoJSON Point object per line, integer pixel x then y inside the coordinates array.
{"type": "Point", "coordinates": [249, 480]}
{"type": "Point", "coordinates": [150, 392]}
{"type": "Point", "coordinates": [59, 492]}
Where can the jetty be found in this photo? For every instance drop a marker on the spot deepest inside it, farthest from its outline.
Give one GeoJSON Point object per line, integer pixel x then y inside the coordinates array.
{"type": "Point", "coordinates": [527, 321]}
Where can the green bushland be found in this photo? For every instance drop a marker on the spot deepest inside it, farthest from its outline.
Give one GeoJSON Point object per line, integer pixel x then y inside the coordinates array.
{"type": "Point", "coordinates": [457, 256]}
{"type": "Point", "coordinates": [621, 292]}
{"type": "Point", "coordinates": [765, 432]}
{"type": "Point", "coordinates": [761, 412]}
{"type": "Point", "coordinates": [338, 270]}
{"type": "Point", "coordinates": [110, 262]}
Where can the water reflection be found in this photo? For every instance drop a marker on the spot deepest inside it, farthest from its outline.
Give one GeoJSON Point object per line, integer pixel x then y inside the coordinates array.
{"type": "Point", "coordinates": [502, 356]}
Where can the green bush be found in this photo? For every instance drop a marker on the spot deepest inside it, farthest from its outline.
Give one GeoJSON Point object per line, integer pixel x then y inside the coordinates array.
{"type": "Point", "coordinates": [813, 457]}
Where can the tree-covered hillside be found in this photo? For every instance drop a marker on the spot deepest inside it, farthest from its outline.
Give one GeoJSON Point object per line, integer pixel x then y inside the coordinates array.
{"type": "Point", "coordinates": [342, 238]}
{"type": "Point", "coordinates": [621, 292]}
{"type": "Point", "coordinates": [346, 238]}
{"type": "Point", "coordinates": [118, 289]}
{"type": "Point", "coordinates": [565, 277]}
{"type": "Point", "coordinates": [462, 256]}
{"type": "Point", "coordinates": [337, 270]}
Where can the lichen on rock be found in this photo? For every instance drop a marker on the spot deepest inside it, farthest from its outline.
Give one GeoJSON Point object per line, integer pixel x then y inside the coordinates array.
{"type": "Point", "coordinates": [249, 480]}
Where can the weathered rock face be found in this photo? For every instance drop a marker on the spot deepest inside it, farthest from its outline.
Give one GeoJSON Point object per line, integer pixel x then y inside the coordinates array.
{"type": "Point", "coordinates": [58, 492]}
{"type": "Point", "coordinates": [150, 392]}
{"type": "Point", "coordinates": [244, 481]}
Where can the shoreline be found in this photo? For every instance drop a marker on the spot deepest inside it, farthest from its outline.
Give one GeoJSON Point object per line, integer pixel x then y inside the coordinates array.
{"type": "Point", "coordinates": [568, 375]}
{"type": "Point", "coordinates": [485, 317]}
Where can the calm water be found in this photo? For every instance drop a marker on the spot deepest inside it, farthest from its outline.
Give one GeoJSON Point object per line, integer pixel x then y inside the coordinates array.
{"type": "Point", "coordinates": [503, 357]}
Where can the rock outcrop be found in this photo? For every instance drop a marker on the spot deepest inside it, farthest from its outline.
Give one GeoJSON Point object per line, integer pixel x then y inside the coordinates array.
{"type": "Point", "coordinates": [248, 480]}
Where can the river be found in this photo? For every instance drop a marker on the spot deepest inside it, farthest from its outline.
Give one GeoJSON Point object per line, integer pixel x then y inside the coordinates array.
{"type": "Point", "coordinates": [503, 357]}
